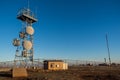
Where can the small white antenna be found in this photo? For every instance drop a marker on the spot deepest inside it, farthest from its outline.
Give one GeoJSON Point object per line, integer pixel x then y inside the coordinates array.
{"type": "Point", "coordinates": [36, 11]}
{"type": "Point", "coordinates": [28, 4]}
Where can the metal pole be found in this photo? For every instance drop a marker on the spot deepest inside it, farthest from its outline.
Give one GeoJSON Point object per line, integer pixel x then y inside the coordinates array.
{"type": "Point", "coordinates": [28, 4]}
{"type": "Point", "coordinates": [105, 60]}
{"type": "Point", "coordinates": [108, 50]}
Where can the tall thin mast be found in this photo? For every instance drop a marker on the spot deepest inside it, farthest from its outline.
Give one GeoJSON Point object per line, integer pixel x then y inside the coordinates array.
{"type": "Point", "coordinates": [108, 49]}
{"type": "Point", "coordinates": [28, 4]}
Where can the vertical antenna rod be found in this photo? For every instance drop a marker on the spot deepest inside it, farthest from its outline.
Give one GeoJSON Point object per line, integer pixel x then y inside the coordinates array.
{"type": "Point", "coordinates": [105, 60]}
{"type": "Point", "coordinates": [108, 50]}
{"type": "Point", "coordinates": [28, 4]}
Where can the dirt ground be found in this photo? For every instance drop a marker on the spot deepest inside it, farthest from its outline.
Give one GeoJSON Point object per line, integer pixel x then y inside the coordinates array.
{"type": "Point", "coordinates": [73, 73]}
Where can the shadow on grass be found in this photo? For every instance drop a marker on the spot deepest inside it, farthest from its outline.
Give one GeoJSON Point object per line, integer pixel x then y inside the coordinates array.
{"type": "Point", "coordinates": [5, 74]}
{"type": "Point", "coordinates": [100, 77]}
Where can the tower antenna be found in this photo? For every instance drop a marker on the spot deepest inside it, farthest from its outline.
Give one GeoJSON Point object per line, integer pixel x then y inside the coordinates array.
{"type": "Point", "coordinates": [108, 49]}
{"type": "Point", "coordinates": [25, 40]}
{"type": "Point", "coordinates": [28, 4]}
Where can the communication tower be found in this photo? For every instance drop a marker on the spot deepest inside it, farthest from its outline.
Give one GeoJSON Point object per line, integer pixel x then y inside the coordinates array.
{"type": "Point", "coordinates": [108, 50]}
{"type": "Point", "coordinates": [25, 51]}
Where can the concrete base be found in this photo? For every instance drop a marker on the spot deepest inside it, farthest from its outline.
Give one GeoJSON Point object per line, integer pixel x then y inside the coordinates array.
{"type": "Point", "coordinates": [19, 72]}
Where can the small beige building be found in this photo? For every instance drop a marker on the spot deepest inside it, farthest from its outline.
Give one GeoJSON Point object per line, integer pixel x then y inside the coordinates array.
{"type": "Point", "coordinates": [55, 65]}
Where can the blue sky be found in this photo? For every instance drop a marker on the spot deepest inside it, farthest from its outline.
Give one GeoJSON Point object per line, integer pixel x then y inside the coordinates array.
{"type": "Point", "coordinates": [72, 29]}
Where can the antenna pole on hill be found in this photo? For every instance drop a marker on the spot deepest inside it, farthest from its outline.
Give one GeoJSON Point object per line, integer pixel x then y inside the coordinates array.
{"type": "Point", "coordinates": [108, 50]}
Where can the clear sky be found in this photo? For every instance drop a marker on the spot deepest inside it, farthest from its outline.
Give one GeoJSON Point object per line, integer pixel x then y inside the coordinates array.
{"type": "Point", "coordinates": [72, 29]}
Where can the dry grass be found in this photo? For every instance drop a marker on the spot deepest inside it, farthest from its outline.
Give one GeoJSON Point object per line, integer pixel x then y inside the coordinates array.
{"type": "Point", "coordinates": [74, 73]}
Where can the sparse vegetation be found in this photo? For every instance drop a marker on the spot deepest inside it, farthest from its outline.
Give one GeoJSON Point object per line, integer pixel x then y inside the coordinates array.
{"type": "Point", "coordinates": [74, 73]}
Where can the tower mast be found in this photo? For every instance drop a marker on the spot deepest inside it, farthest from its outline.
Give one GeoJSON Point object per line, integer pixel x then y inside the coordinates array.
{"type": "Point", "coordinates": [25, 41]}
{"type": "Point", "coordinates": [108, 49]}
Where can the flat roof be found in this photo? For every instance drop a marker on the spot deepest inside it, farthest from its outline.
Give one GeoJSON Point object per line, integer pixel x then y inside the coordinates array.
{"type": "Point", "coordinates": [53, 60]}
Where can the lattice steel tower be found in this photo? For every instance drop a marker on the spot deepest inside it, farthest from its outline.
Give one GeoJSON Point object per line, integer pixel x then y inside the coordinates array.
{"type": "Point", "coordinates": [24, 44]}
